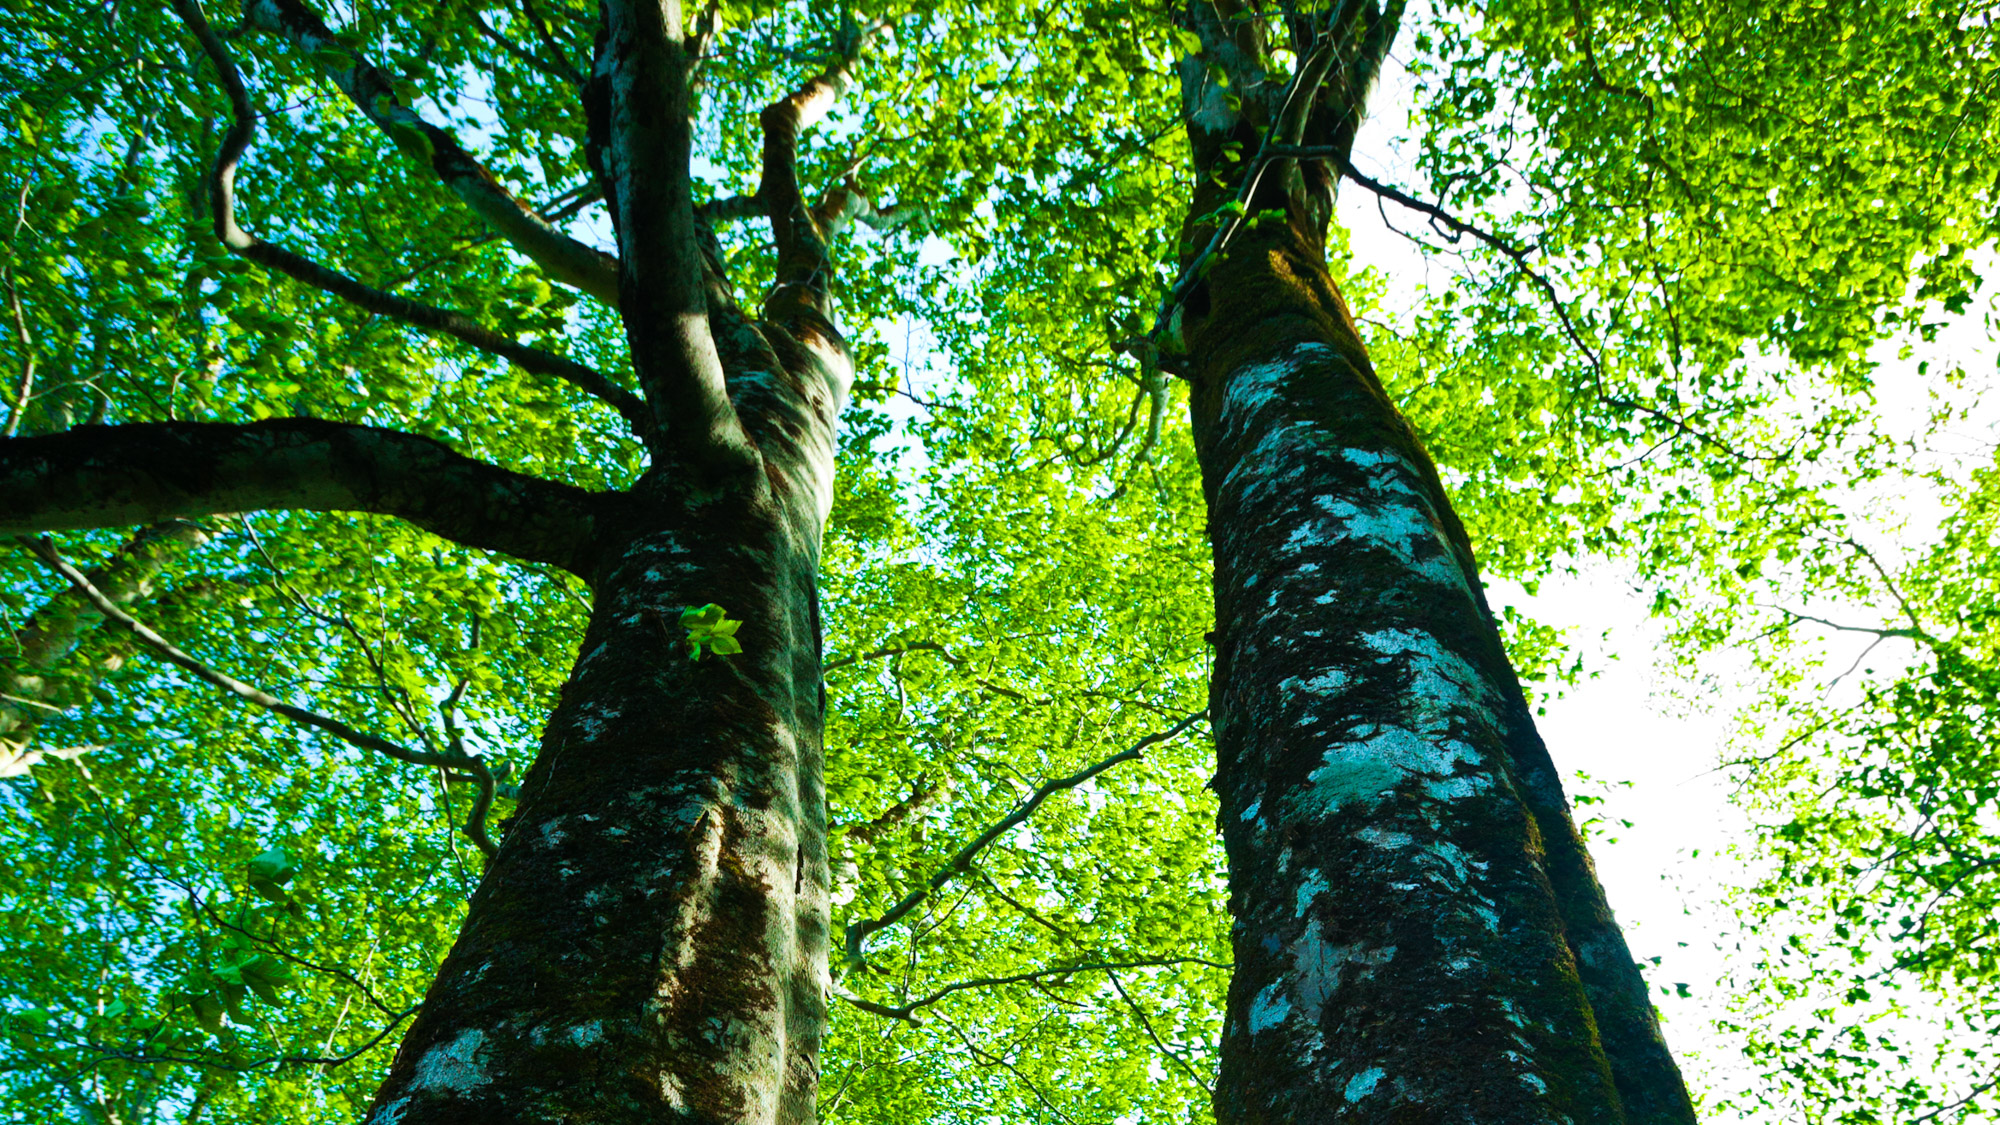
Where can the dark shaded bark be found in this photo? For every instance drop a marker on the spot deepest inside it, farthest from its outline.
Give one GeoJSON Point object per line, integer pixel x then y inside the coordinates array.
{"type": "Point", "coordinates": [119, 476]}
{"type": "Point", "coordinates": [1419, 934]}
{"type": "Point", "coordinates": [650, 944]}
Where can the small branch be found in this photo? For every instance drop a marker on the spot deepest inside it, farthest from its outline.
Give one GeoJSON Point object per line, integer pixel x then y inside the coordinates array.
{"type": "Point", "coordinates": [893, 650]}
{"type": "Point", "coordinates": [987, 1058]}
{"type": "Point", "coordinates": [549, 43]}
{"type": "Point", "coordinates": [1884, 634]}
{"type": "Point", "coordinates": [24, 385]}
{"type": "Point", "coordinates": [520, 53]}
{"type": "Point", "coordinates": [858, 932]}
{"type": "Point", "coordinates": [1519, 257]}
{"type": "Point", "coordinates": [564, 258]}
{"type": "Point", "coordinates": [46, 551]}
{"type": "Point", "coordinates": [1889, 584]}
{"type": "Point", "coordinates": [907, 1012]}
{"type": "Point", "coordinates": [1139, 1014]}
{"type": "Point", "coordinates": [328, 1061]}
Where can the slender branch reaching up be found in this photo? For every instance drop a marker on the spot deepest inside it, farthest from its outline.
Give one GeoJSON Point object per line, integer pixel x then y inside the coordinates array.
{"type": "Point", "coordinates": [1889, 584]}
{"type": "Point", "coordinates": [555, 50]}
{"type": "Point", "coordinates": [222, 201]}
{"type": "Point", "coordinates": [1519, 257]}
{"type": "Point", "coordinates": [1146, 1024]}
{"type": "Point", "coordinates": [564, 258]}
{"type": "Point", "coordinates": [123, 476]}
{"type": "Point", "coordinates": [642, 64]}
{"type": "Point", "coordinates": [24, 386]}
{"type": "Point", "coordinates": [520, 53]}
{"type": "Point", "coordinates": [474, 828]}
{"type": "Point", "coordinates": [858, 932]}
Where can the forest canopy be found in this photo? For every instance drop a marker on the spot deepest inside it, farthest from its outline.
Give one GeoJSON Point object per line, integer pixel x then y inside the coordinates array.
{"type": "Point", "coordinates": [356, 285]}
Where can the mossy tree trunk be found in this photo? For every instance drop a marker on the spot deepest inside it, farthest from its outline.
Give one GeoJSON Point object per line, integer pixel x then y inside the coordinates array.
{"type": "Point", "coordinates": [650, 943]}
{"type": "Point", "coordinates": [649, 940]}
{"type": "Point", "coordinates": [1419, 934]}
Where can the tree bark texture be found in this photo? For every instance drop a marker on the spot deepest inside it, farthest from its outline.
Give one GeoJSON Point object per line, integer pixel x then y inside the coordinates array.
{"type": "Point", "coordinates": [650, 943]}
{"type": "Point", "coordinates": [1419, 934]}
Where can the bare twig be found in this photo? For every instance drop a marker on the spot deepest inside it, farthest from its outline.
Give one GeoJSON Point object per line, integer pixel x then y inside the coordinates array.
{"type": "Point", "coordinates": [1139, 1014]}
{"type": "Point", "coordinates": [858, 932]}
{"type": "Point", "coordinates": [476, 830]}
{"type": "Point", "coordinates": [987, 1058]}
{"type": "Point", "coordinates": [1451, 223]}
{"type": "Point", "coordinates": [907, 1012]}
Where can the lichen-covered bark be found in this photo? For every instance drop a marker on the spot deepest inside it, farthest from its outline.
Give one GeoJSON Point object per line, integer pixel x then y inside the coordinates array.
{"type": "Point", "coordinates": [1418, 933]}
{"type": "Point", "coordinates": [650, 943]}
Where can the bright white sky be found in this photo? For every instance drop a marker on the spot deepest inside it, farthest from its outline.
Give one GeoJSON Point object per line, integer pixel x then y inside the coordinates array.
{"type": "Point", "coordinates": [1640, 720]}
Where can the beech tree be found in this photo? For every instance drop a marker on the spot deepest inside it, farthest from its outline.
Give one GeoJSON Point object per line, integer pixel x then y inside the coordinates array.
{"type": "Point", "coordinates": [287, 769]}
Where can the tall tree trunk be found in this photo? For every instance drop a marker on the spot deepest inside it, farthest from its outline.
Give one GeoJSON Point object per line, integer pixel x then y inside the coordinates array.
{"type": "Point", "coordinates": [1419, 933]}
{"type": "Point", "coordinates": [650, 943]}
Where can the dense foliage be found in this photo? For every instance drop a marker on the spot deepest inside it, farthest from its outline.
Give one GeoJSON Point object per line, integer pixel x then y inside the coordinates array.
{"type": "Point", "coordinates": [1676, 229]}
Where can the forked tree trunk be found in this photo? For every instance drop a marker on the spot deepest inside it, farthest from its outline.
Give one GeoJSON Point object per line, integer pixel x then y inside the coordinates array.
{"type": "Point", "coordinates": [650, 943]}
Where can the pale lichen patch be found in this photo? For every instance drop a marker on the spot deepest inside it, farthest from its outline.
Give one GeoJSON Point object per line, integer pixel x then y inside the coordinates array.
{"type": "Point", "coordinates": [1375, 762]}
{"type": "Point", "coordinates": [1310, 888]}
{"type": "Point", "coordinates": [455, 1067]}
{"type": "Point", "coordinates": [1269, 1009]}
{"type": "Point", "coordinates": [1363, 1084]}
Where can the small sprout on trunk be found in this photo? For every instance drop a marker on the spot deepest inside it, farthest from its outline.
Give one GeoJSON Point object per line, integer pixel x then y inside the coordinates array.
{"type": "Point", "coordinates": [709, 628]}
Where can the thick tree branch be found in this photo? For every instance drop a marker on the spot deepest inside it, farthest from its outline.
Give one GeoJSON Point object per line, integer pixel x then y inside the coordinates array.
{"type": "Point", "coordinates": [562, 257]}
{"type": "Point", "coordinates": [643, 65]}
{"type": "Point", "coordinates": [222, 202]}
{"type": "Point", "coordinates": [858, 932]}
{"type": "Point", "coordinates": [121, 476]}
{"type": "Point", "coordinates": [730, 209]}
{"type": "Point", "coordinates": [801, 284]}
{"type": "Point", "coordinates": [474, 827]}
